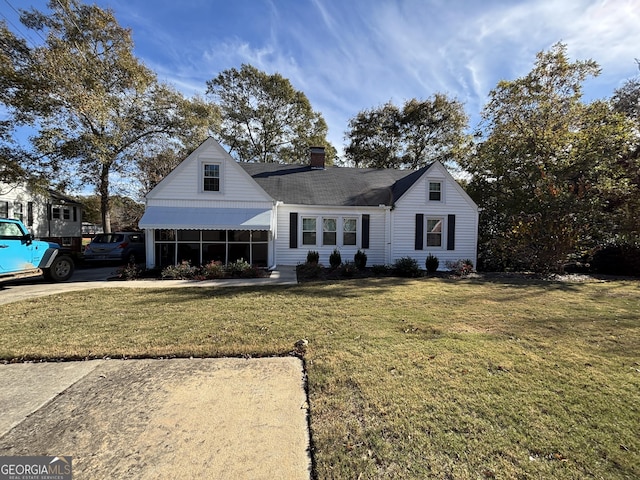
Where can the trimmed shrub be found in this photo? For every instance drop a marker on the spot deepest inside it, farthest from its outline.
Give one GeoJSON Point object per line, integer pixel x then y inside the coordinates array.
{"type": "Point", "coordinates": [213, 270]}
{"type": "Point", "coordinates": [182, 271]}
{"type": "Point", "coordinates": [306, 271]}
{"type": "Point", "coordinates": [239, 268]}
{"type": "Point", "coordinates": [130, 272]}
{"type": "Point", "coordinates": [335, 259]}
{"type": "Point", "coordinates": [432, 263]}
{"type": "Point", "coordinates": [348, 269]}
{"type": "Point", "coordinates": [313, 257]}
{"type": "Point", "coordinates": [461, 267]}
{"type": "Point", "coordinates": [407, 267]}
{"type": "Point", "coordinates": [360, 260]}
{"type": "Point", "coordinates": [380, 269]}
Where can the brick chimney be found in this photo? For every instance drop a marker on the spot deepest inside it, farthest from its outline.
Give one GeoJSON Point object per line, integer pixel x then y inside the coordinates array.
{"type": "Point", "coordinates": [317, 158]}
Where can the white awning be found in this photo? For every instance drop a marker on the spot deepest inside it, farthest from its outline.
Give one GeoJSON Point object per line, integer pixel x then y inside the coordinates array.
{"type": "Point", "coordinates": [181, 218]}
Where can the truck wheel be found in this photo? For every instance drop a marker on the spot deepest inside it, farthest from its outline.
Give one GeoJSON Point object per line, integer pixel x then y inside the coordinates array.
{"type": "Point", "coordinates": [61, 269]}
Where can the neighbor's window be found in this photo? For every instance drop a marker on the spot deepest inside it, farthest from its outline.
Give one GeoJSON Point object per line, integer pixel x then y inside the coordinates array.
{"type": "Point", "coordinates": [18, 212]}
{"type": "Point", "coordinates": [4, 209]}
{"type": "Point", "coordinates": [308, 231]}
{"type": "Point", "coordinates": [66, 214]}
{"type": "Point", "coordinates": [435, 191]}
{"type": "Point", "coordinates": [211, 177]}
{"type": "Point", "coordinates": [434, 232]}
{"type": "Point", "coordinates": [55, 212]}
{"type": "Point", "coordinates": [349, 230]}
{"type": "Point", "coordinates": [329, 227]}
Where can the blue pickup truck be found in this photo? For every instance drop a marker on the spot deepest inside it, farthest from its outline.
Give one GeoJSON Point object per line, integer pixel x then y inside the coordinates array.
{"type": "Point", "coordinates": [23, 256]}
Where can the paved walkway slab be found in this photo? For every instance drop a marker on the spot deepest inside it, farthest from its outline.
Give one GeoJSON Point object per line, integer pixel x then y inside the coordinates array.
{"type": "Point", "coordinates": [180, 418]}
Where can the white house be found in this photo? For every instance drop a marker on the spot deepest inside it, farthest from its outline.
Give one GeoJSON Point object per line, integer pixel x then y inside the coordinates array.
{"type": "Point", "coordinates": [49, 215]}
{"type": "Point", "coordinates": [212, 208]}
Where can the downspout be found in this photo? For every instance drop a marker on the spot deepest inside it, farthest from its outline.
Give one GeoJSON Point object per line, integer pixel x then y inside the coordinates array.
{"type": "Point", "coordinates": [149, 242]}
{"type": "Point", "coordinates": [387, 233]}
{"type": "Point", "coordinates": [273, 234]}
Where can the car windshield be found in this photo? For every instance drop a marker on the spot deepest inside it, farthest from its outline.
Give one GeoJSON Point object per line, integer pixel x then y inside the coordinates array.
{"type": "Point", "coordinates": [107, 238]}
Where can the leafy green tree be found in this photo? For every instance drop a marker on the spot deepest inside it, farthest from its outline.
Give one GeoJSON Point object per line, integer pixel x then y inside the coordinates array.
{"type": "Point", "coordinates": [626, 101]}
{"type": "Point", "coordinates": [374, 137]}
{"type": "Point", "coordinates": [421, 132]}
{"type": "Point", "coordinates": [92, 102]}
{"type": "Point", "coordinates": [545, 166]}
{"type": "Point", "coordinates": [264, 119]}
{"type": "Point", "coordinates": [15, 60]}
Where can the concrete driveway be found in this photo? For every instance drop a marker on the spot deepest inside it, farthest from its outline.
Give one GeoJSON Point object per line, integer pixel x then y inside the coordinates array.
{"type": "Point", "coordinates": [98, 277]}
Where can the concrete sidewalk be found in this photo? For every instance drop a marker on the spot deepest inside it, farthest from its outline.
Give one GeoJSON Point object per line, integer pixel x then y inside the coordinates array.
{"type": "Point", "coordinates": [152, 419]}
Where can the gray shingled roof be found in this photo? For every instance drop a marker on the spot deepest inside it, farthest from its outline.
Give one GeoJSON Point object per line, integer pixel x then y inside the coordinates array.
{"type": "Point", "coordinates": [339, 186]}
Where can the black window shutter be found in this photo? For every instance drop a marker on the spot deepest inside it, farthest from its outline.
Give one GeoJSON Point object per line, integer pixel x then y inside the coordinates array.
{"type": "Point", "coordinates": [365, 230]}
{"type": "Point", "coordinates": [293, 230]}
{"type": "Point", "coordinates": [419, 231]}
{"type": "Point", "coordinates": [75, 214]}
{"type": "Point", "coordinates": [451, 232]}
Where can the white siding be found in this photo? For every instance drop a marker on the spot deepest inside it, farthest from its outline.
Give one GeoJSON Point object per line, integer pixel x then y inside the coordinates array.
{"type": "Point", "coordinates": [42, 227]}
{"type": "Point", "coordinates": [293, 256]}
{"type": "Point", "coordinates": [185, 181]}
{"type": "Point", "coordinates": [454, 202]}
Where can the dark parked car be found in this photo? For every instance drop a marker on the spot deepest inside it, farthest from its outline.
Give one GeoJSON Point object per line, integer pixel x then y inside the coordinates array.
{"type": "Point", "coordinates": [120, 246]}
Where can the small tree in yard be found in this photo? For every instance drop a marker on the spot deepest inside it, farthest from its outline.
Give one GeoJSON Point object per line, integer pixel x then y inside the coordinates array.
{"type": "Point", "coordinates": [360, 260]}
{"type": "Point", "coordinates": [431, 263]}
{"type": "Point", "coordinates": [313, 257]}
{"type": "Point", "coordinates": [335, 259]}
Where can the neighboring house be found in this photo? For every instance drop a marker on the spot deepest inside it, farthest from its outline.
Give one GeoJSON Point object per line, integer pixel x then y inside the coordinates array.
{"type": "Point", "coordinates": [48, 215]}
{"type": "Point", "coordinates": [212, 208]}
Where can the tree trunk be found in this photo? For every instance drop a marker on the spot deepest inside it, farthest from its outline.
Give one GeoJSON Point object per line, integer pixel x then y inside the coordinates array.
{"type": "Point", "coordinates": [104, 199]}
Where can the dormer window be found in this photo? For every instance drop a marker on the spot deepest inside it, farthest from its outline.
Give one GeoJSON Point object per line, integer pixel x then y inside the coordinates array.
{"type": "Point", "coordinates": [211, 177]}
{"type": "Point", "coordinates": [435, 191]}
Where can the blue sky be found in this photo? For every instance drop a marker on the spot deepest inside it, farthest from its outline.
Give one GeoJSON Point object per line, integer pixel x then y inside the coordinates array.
{"type": "Point", "coordinates": [348, 55]}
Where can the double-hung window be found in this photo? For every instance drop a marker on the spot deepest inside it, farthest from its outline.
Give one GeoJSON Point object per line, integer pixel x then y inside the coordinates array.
{"type": "Point", "coordinates": [211, 177]}
{"type": "Point", "coordinates": [349, 231]}
{"type": "Point", "coordinates": [435, 191]}
{"type": "Point", "coordinates": [329, 231]}
{"type": "Point", "coordinates": [308, 231]}
{"type": "Point", "coordinates": [434, 232]}
{"type": "Point", "coordinates": [17, 211]}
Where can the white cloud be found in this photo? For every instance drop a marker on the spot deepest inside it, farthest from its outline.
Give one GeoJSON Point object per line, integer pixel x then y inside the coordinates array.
{"type": "Point", "coordinates": [350, 55]}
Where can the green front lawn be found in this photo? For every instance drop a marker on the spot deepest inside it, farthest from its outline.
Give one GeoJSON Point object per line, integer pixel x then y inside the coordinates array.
{"type": "Point", "coordinates": [426, 378]}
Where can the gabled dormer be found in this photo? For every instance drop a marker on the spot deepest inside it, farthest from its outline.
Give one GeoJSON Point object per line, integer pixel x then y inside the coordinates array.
{"type": "Point", "coordinates": [209, 174]}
